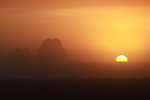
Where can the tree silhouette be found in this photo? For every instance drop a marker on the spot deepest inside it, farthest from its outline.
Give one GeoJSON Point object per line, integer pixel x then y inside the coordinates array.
{"type": "Point", "coordinates": [20, 55]}
{"type": "Point", "coordinates": [51, 50]}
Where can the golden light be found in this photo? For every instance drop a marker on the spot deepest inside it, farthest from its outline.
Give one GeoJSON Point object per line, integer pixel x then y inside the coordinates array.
{"type": "Point", "coordinates": [121, 32]}
{"type": "Point", "coordinates": [121, 58]}
{"type": "Point", "coordinates": [108, 31]}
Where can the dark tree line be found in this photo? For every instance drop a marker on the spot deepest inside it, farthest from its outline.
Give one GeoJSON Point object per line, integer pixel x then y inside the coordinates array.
{"type": "Point", "coordinates": [49, 60]}
{"type": "Point", "coordinates": [50, 51]}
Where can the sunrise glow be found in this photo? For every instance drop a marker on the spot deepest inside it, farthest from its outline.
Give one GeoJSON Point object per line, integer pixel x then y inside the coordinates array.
{"type": "Point", "coordinates": [121, 58]}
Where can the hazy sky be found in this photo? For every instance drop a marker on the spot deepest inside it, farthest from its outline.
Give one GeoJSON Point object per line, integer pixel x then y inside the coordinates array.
{"type": "Point", "coordinates": [72, 3]}
{"type": "Point", "coordinates": [101, 29]}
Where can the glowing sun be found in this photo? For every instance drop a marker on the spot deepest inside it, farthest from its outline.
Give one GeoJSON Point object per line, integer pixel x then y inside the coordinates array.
{"type": "Point", "coordinates": [121, 58]}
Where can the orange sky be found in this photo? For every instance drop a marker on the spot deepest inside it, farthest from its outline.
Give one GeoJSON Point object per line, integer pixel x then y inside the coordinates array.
{"type": "Point", "coordinates": [96, 29]}
{"type": "Point", "coordinates": [72, 3]}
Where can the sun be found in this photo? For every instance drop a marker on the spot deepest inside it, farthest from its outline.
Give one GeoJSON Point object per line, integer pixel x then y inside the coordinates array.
{"type": "Point", "coordinates": [121, 58]}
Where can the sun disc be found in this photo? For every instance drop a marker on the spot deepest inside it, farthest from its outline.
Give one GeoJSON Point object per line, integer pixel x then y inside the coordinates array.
{"type": "Point", "coordinates": [121, 58]}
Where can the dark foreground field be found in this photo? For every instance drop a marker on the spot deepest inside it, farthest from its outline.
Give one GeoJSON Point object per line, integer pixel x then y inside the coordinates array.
{"type": "Point", "coordinates": [76, 89]}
